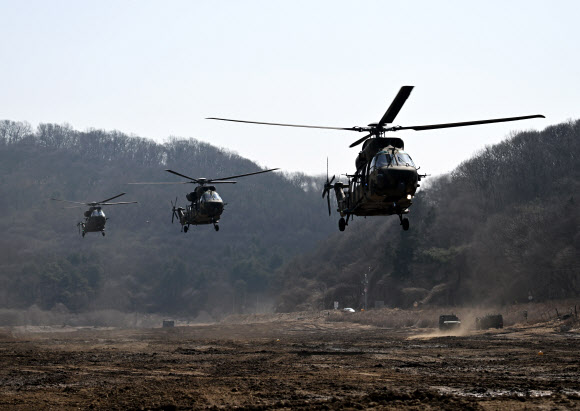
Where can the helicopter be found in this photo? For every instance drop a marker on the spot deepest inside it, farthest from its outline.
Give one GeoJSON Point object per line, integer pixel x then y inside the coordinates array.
{"type": "Point", "coordinates": [386, 179]}
{"type": "Point", "coordinates": [206, 204]}
{"type": "Point", "coordinates": [95, 218]}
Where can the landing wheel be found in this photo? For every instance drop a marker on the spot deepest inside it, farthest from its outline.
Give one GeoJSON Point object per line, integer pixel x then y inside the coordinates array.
{"type": "Point", "coordinates": [185, 228]}
{"type": "Point", "coordinates": [216, 227]}
{"type": "Point", "coordinates": [405, 223]}
{"type": "Point", "coordinates": [341, 224]}
{"type": "Point", "coordinates": [103, 233]}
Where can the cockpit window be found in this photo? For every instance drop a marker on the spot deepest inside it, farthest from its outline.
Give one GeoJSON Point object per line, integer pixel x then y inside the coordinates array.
{"type": "Point", "coordinates": [97, 213]}
{"type": "Point", "coordinates": [382, 159]}
{"type": "Point", "coordinates": [404, 159]}
{"type": "Point", "coordinates": [211, 196]}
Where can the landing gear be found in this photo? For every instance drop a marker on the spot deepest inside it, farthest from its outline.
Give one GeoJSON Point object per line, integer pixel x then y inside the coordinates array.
{"type": "Point", "coordinates": [341, 224]}
{"type": "Point", "coordinates": [83, 234]}
{"type": "Point", "coordinates": [103, 233]}
{"type": "Point", "coordinates": [185, 228]}
{"type": "Point", "coordinates": [216, 227]}
{"type": "Point", "coordinates": [404, 222]}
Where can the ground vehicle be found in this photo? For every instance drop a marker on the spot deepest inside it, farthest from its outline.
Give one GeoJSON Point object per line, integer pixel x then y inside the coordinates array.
{"type": "Point", "coordinates": [449, 322]}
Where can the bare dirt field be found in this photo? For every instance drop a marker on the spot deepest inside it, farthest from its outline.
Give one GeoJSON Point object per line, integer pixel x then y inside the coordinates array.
{"type": "Point", "coordinates": [291, 361]}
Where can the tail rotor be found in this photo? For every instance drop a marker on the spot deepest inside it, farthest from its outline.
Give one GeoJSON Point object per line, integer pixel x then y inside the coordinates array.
{"type": "Point", "coordinates": [174, 210]}
{"type": "Point", "coordinates": [327, 186]}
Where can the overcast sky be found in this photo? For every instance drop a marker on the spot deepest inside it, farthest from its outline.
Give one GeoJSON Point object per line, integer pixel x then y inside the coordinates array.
{"type": "Point", "coordinates": [158, 68]}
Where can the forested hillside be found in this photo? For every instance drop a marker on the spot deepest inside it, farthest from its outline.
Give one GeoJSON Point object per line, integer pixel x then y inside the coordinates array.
{"type": "Point", "coordinates": [502, 227]}
{"type": "Point", "coordinates": [144, 264]}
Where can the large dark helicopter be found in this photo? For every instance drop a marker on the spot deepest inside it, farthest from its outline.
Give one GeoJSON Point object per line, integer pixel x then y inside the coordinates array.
{"type": "Point", "coordinates": [386, 178]}
{"type": "Point", "coordinates": [95, 218]}
{"type": "Point", "coordinates": [206, 204]}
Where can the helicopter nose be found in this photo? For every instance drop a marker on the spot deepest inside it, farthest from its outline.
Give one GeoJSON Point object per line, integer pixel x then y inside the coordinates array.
{"type": "Point", "coordinates": [214, 207]}
{"type": "Point", "coordinates": [402, 180]}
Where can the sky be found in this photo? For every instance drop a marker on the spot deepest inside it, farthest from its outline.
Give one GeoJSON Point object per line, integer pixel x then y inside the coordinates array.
{"type": "Point", "coordinates": [157, 69]}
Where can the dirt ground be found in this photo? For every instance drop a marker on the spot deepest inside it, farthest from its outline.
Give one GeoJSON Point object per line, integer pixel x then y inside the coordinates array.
{"type": "Point", "coordinates": [292, 361]}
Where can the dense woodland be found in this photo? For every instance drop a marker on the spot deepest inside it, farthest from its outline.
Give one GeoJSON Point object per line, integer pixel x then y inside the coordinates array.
{"type": "Point", "coordinates": [502, 227]}
{"type": "Point", "coordinates": [144, 264]}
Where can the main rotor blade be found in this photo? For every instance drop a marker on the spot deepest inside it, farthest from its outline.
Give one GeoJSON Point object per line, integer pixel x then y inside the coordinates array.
{"type": "Point", "coordinates": [328, 200]}
{"type": "Point", "coordinates": [360, 140]}
{"type": "Point", "coordinates": [287, 125]}
{"type": "Point", "coordinates": [181, 175]}
{"type": "Point", "coordinates": [108, 199]}
{"type": "Point", "coordinates": [240, 175]}
{"type": "Point", "coordinates": [465, 123]}
{"type": "Point", "coordinates": [396, 105]}
{"type": "Point", "coordinates": [122, 202]}
{"type": "Point", "coordinates": [68, 201]}
{"type": "Point", "coordinates": [167, 182]}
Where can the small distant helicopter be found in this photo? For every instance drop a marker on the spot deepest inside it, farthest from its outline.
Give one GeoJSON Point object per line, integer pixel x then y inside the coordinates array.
{"type": "Point", "coordinates": [206, 204]}
{"type": "Point", "coordinates": [386, 178]}
{"type": "Point", "coordinates": [95, 218]}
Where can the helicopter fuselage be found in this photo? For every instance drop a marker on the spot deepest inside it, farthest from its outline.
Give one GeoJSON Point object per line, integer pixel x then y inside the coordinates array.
{"type": "Point", "coordinates": [94, 222]}
{"type": "Point", "coordinates": [386, 191]}
{"type": "Point", "coordinates": [206, 207]}
{"type": "Point", "coordinates": [384, 184]}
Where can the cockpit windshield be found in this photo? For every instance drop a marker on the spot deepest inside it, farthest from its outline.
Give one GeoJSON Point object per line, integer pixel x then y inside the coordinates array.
{"type": "Point", "coordinates": [385, 159]}
{"type": "Point", "coordinates": [382, 159]}
{"type": "Point", "coordinates": [211, 196]}
{"type": "Point", "coordinates": [97, 213]}
{"type": "Point", "coordinates": [404, 159]}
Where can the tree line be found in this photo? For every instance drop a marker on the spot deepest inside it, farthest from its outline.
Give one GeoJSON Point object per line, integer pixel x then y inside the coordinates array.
{"type": "Point", "coordinates": [502, 227]}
